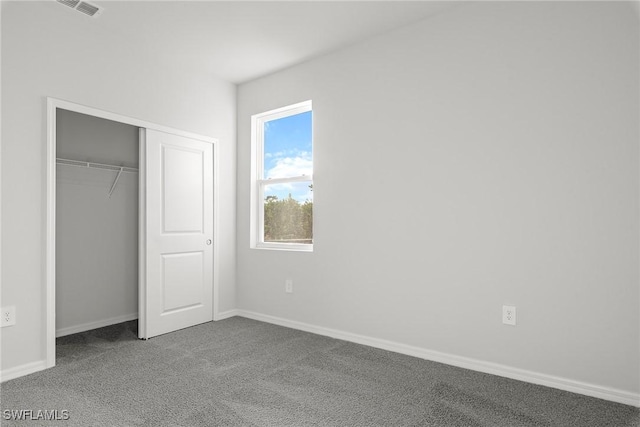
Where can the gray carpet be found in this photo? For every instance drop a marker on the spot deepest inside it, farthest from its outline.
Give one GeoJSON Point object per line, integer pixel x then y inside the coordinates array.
{"type": "Point", "coordinates": [239, 372]}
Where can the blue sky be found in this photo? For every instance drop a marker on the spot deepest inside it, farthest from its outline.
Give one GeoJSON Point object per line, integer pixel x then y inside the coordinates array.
{"type": "Point", "coordinates": [287, 153]}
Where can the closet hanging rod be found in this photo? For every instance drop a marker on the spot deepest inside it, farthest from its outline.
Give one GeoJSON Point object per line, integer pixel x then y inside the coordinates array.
{"type": "Point", "coordinates": [79, 163]}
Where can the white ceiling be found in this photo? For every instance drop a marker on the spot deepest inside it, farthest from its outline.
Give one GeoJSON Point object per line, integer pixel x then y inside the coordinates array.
{"type": "Point", "coordinates": [242, 40]}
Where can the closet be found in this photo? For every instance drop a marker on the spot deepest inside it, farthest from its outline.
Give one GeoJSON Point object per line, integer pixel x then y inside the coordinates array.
{"type": "Point", "coordinates": [96, 222]}
{"type": "Point", "coordinates": [130, 225]}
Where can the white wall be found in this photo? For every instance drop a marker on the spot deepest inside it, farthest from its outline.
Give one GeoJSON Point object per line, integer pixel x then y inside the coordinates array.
{"type": "Point", "coordinates": [47, 51]}
{"type": "Point", "coordinates": [96, 235]}
{"type": "Point", "coordinates": [486, 156]}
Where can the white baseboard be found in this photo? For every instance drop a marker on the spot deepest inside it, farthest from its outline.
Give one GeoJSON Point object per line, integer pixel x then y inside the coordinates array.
{"type": "Point", "coordinates": [22, 370]}
{"type": "Point", "coordinates": [225, 315]}
{"type": "Point", "coordinates": [95, 325]}
{"type": "Point", "coordinates": [593, 390]}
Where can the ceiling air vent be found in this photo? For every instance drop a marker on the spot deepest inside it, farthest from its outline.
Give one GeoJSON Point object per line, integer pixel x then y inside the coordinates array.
{"type": "Point", "coordinates": [87, 9]}
{"type": "Point", "coordinates": [82, 6]}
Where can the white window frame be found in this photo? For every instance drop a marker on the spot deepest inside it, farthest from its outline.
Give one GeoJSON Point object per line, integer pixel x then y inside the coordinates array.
{"type": "Point", "coordinates": [257, 174]}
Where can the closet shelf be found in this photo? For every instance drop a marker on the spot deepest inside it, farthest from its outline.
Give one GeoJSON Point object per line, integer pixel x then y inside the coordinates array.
{"type": "Point", "coordinates": [80, 163]}
{"type": "Point", "coordinates": [113, 168]}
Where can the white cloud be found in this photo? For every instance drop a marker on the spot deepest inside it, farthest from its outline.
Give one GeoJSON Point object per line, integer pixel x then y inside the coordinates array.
{"type": "Point", "coordinates": [286, 167]}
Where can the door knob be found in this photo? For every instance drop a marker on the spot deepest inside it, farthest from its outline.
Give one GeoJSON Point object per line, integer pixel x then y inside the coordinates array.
{"type": "Point", "coordinates": [208, 241]}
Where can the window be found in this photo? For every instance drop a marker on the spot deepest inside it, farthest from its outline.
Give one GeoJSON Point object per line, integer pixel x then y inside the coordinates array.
{"type": "Point", "coordinates": [282, 176]}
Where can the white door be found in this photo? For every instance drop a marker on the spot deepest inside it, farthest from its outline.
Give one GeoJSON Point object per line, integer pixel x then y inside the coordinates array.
{"type": "Point", "coordinates": [176, 242]}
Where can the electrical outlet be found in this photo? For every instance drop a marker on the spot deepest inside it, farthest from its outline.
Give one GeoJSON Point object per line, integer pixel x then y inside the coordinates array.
{"type": "Point", "coordinates": [288, 286]}
{"type": "Point", "coordinates": [8, 316]}
{"type": "Point", "coordinates": [509, 315]}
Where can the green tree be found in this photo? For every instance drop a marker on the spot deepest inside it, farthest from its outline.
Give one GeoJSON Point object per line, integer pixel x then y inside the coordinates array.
{"type": "Point", "coordinates": [287, 220]}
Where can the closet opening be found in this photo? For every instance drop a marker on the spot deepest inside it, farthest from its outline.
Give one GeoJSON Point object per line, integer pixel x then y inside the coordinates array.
{"type": "Point", "coordinates": [96, 229]}
{"type": "Point", "coordinates": [131, 225]}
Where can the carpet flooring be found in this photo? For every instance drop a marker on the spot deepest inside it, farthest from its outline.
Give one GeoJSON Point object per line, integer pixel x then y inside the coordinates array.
{"type": "Point", "coordinates": [240, 372]}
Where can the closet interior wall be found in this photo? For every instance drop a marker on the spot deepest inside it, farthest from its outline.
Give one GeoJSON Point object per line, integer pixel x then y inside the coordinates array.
{"type": "Point", "coordinates": [96, 233]}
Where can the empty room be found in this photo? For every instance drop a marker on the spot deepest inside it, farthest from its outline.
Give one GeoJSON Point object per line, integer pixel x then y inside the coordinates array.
{"type": "Point", "coordinates": [320, 213]}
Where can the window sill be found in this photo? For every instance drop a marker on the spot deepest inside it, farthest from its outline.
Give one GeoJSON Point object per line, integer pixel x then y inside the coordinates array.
{"type": "Point", "coordinates": [289, 247]}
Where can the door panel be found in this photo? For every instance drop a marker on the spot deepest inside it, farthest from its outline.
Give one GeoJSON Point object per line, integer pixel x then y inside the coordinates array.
{"type": "Point", "coordinates": [178, 279]}
{"type": "Point", "coordinates": [183, 280]}
{"type": "Point", "coordinates": [182, 190]}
